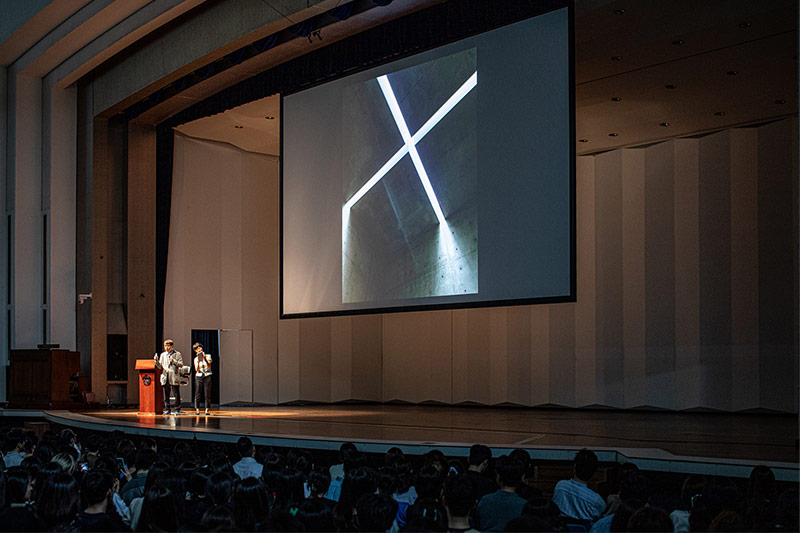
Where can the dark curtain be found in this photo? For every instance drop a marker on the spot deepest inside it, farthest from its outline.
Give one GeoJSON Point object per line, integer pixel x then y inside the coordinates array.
{"type": "Point", "coordinates": [209, 338]}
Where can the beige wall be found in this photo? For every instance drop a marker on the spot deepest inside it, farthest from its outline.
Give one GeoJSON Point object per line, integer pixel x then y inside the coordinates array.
{"type": "Point", "coordinates": [687, 291]}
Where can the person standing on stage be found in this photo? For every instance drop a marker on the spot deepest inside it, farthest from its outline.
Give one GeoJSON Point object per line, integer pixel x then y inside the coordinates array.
{"type": "Point", "coordinates": [170, 362]}
{"type": "Point", "coordinates": [202, 378]}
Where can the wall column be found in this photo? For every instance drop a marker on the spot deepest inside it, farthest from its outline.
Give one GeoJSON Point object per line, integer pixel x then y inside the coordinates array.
{"type": "Point", "coordinates": [4, 248]}
{"type": "Point", "coordinates": [142, 251]}
{"type": "Point", "coordinates": [101, 188]}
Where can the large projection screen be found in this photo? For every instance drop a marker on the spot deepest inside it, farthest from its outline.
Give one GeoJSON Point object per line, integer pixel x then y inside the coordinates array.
{"type": "Point", "coordinates": [443, 179]}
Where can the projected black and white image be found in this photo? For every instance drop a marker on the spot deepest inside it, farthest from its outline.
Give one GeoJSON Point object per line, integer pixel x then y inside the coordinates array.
{"type": "Point", "coordinates": [409, 215]}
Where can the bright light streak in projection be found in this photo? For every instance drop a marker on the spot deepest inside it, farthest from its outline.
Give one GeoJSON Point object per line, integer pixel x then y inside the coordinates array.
{"type": "Point", "coordinates": [411, 141]}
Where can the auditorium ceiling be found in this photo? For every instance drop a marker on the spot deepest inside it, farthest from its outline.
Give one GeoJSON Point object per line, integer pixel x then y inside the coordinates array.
{"type": "Point", "coordinates": [644, 72]}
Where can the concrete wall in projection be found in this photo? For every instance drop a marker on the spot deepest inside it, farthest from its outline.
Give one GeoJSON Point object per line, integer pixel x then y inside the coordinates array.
{"type": "Point", "coordinates": [395, 246]}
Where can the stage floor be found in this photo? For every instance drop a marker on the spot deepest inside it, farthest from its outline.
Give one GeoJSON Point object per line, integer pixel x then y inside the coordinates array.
{"type": "Point", "coordinates": [659, 440]}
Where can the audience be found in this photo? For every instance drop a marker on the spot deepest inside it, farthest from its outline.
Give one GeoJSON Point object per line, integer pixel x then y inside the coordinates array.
{"type": "Point", "coordinates": [63, 483]}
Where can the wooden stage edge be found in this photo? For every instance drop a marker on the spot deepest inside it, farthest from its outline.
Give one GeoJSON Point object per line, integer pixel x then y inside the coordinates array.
{"type": "Point", "coordinates": [726, 444]}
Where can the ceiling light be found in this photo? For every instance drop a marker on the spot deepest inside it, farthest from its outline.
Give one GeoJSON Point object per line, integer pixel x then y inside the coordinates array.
{"type": "Point", "coordinates": [616, 99]}
{"type": "Point", "coordinates": [616, 59]}
{"type": "Point", "coordinates": [613, 134]}
{"type": "Point", "coordinates": [664, 124]}
{"type": "Point", "coordinates": [731, 73]}
{"type": "Point", "coordinates": [745, 24]}
{"type": "Point", "coordinates": [619, 11]}
{"type": "Point", "coordinates": [780, 102]}
{"type": "Point", "coordinates": [671, 86]}
{"type": "Point", "coordinates": [719, 113]}
{"type": "Point", "coordinates": [678, 42]}
{"type": "Point", "coordinates": [583, 140]}
{"type": "Point", "coordinates": [269, 117]}
{"type": "Point", "coordinates": [238, 126]}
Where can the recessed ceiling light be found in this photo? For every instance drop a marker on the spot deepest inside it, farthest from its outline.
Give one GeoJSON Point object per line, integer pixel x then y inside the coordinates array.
{"type": "Point", "coordinates": [269, 117]}
{"type": "Point", "coordinates": [238, 126]}
{"type": "Point", "coordinates": [613, 134]}
{"type": "Point", "coordinates": [583, 140]}
{"type": "Point", "coordinates": [670, 86]}
{"type": "Point", "coordinates": [664, 124]}
{"type": "Point", "coordinates": [619, 11]}
{"type": "Point", "coordinates": [616, 59]}
{"type": "Point", "coordinates": [780, 102]}
{"type": "Point", "coordinates": [732, 73]}
{"type": "Point", "coordinates": [616, 99]}
{"type": "Point", "coordinates": [745, 24]}
{"type": "Point", "coordinates": [719, 113]}
{"type": "Point", "coordinates": [678, 42]}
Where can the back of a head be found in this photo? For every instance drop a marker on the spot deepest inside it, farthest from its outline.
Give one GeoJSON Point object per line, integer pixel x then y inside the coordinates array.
{"type": "Point", "coordinates": [94, 487]}
{"type": "Point", "coordinates": [65, 462]}
{"type": "Point", "coordinates": [319, 479]}
{"type": "Point", "coordinates": [289, 491]}
{"type": "Point", "coordinates": [244, 446]}
{"type": "Point", "coordinates": [650, 519]}
{"type": "Point", "coordinates": [250, 503]}
{"type": "Point", "coordinates": [634, 486]}
{"type": "Point", "coordinates": [198, 481]}
{"type": "Point", "coordinates": [346, 450]}
{"type": "Point", "coordinates": [217, 518]}
{"type": "Point", "coordinates": [509, 471]}
{"type": "Point", "coordinates": [479, 453]}
{"type": "Point", "coordinates": [159, 510]}
{"type": "Point", "coordinates": [388, 482]}
{"type": "Point", "coordinates": [393, 455]}
{"type": "Point", "coordinates": [761, 485]}
{"type": "Point", "coordinates": [316, 515]}
{"type": "Point", "coordinates": [359, 481]}
{"type": "Point", "coordinates": [18, 480]}
{"type": "Point", "coordinates": [624, 513]}
{"type": "Point", "coordinates": [219, 488]}
{"type": "Point", "coordinates": [522, 456]}
{"type": "Point", "coordinates": [58, 499]}
{"type": "Point", "coordinates": [427, 514]}
{"type": "Point", "coordinates": [173, 480]}
{"type": "Point", "coordinates": [429, 482]}
{"type": "Point", "coordinates": [375, 512]}
{"type": "Point", "coordinates": [459, 495]}
{"type": "Point", "coordinates": [585, 464]}
{"type": "Point", "coordinates": [303, 461]}
{"type": "Point", "coordinates": [145, 459]}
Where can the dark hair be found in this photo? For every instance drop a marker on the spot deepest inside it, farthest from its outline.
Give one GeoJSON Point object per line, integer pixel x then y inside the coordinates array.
{"type": "Point", "coordinates": [153, 474]}
{"type": "Point", "coordinates": [187, 468]}
{"type": "Point", "coordinates": [319, 480]}
{"type": "Point", "coordinates": [183, 451]}
{"type": "Point", "coordinates": [262, 452]}
{"type": "Point", "coordinates": [509, 471]}
{"type": "Point", "coordinates": [585, 464]}
{"type": "Point", "coordinates": [761, 485]}
{"type": "Point", "coordinates": [217, 518]}
{"type": "Point", "coordinates": [345, 450]}
{"type": "Point", "coordinates": [624, 513]}
{"type": "Point", "coordinates": [250, 503]}
{"type": "Point", "coordinates": [220, 463]}
{"type": "Point", "coordinates": [479, 453]}
{"type": "Point", "coordinates": [198, 481]}
{"type": "Point", "coordinates": [692, 486]}
{"type": "Point", "coordinates": [289, 491]}
{"type": "Point", "coordinates": [17, 480]}
{"type": "Point", "coordinates": [387, 479]}
{"type": "Point", "coordinates": [375, 512]}
{"type": "Point", "coordinates": [13, 438]}
{"type": "Point", "coordinates": [303, 461]}
{"type": "Point", "coordinates": [429, 482]}
{"type": "Point", "coordinates": [357, 483]}
{"type": "Point", "coordinates": [546, 511]}
{"type": "Point", "coordinates": [219, 488]}
{"type": "Point", "coordinates": [159, 510]}
{"type": "Point", "coordinates": [459, 495]}
{"type": "Point", "coordinates": [196, 346]}
{"type": "Point", "coordinates": [95, 487]}
{"type": "Point", "coordinates": [58, 499]}
{"type": "Point", "coordinates": [650, 519]}
{"type": "Point", "coordinates": [145, 459]}
{"type": "Point", "coordinates": [426, 514]}
{"type": "Point", "coordinates": [634, 486]}
{"type": "Point", "coordinates": [316, 515]}
{"type": "Point", "coordinates": [244, 446]}
{"type": "Point", "coordinates": [393, 455]}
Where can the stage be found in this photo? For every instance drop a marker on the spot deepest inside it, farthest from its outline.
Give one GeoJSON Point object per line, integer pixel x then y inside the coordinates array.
{"type": "Point", "coordinates": [709, 443]}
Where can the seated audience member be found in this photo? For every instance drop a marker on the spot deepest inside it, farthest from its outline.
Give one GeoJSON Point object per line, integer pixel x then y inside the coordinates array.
{"type": "Point", "coordinates": [575, 499]}
{"type": "Point", "coordinates": [353, 460]}
{"type": "Point", "coordinates": [14, 448]}
{"type": "Point", "coordinates": [217, 518]}
{"type": "Point", "coordinates": [159, 510]}
{"type": "Point", "coordinates": [545, 512]}
{"type": "Point", "coordinates": [65, 461]}
{"type": "Point", "coordinates": [786, 513]}
{"type": "Point", "coordinates": [650, 519]}
{"type": "Point", "coordinates": [762, 496]}
{"type": "Point", "coordinates": [479, 457]}
{"type": "Point", "coordinates": [632, 486]}
{"type": "Point", "coordinates": [375, 512]}
{"type": "Point", "coordinates": [289, 492]}
{"type": "Point", "coordinates": [247, 466]}
{"type": "Point", "coordinates": [346, 450]}
{"type": "Point", "coordinates": [96, 500]}
{"type": "Point", "coordinates": [250, 504]}
{"type": "Point", "coordinates": [319, 479]}
{"type": "Point", "coordinates": [459, 500]}
{"type": "Point", "coordinates": [625, 510]}
{"type": "Point", "coordinates": [719, 494]}
{"type": "Point", "coordinates": [692, 486]}
{"type": "Point", "coordinates": [152, 477]}
{"type": "Point", "coordinates": [525, 491]}
{"type": "Point", "coordinates": [497, 509]}
{"type": "Point", "coordinates": [357, 482]}
{"type": "Point", "coordinates": [19, 487]}
{"type": "Point", "coordinates": [197, 503]}
{"type": "Point", "coordinates": [219, 489]}
{"type": "Point", "coordinates": [427, 514]}
{"type": "Point", "coordinates": [316, 514]}
{"type": "Point", "coordinates": [145, 459]}
{"type": "Point", "coordinates": [58, 502]}
{"type": "Point", "coordinates": [429, 481]}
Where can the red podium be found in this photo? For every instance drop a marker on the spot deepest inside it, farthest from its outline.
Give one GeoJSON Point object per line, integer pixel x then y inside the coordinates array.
{"type": "Point", "coordinates": [151, 396]}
